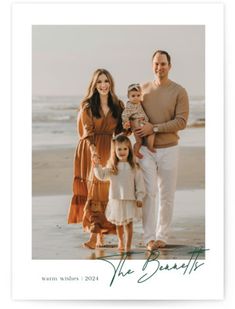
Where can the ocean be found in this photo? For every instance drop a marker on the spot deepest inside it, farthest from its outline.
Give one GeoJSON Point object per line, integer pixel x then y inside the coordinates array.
{"type": "Point", "coordinates": [54, 119]}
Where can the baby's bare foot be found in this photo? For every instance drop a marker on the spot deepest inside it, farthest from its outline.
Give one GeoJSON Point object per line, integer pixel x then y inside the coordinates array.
{"type": "Point", "coordinates": [152, 149]}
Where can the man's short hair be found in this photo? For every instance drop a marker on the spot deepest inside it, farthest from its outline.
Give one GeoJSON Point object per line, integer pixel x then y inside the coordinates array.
{"type": "Point", "coordinates": [162, 52]}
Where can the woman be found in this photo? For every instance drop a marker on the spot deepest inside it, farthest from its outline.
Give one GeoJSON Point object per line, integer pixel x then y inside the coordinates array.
{"type": "Point", "coordinates": [99, 118]}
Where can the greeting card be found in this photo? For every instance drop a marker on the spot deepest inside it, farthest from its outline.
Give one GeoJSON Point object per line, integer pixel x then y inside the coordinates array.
{"type": "Point", "coordinates": [91, 219]}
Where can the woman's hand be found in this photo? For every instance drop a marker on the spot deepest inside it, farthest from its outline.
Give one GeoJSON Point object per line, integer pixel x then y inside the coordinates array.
{"type": "Point", "coordinates": [95, 159]}
{"type": "Point", "coordinates": [147, 129]}
{"type": "Point", "coordinates": [92, 149]}
{"type": "Point", "coordinates": [139, 203]}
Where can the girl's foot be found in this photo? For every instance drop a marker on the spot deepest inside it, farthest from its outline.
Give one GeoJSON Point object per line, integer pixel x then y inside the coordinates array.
{"type": "Point", "coordinates": [128, 249]}
{"type": "Point", "coordinates": [121, 247]}
{"type": "Point", "coordinates": [100, 241]}
{"type": "Point", "coordinates": [91, 243]}
{"type": "Point", "coordinates": [129, 232]}
{"type": "Point", "coordinates": [120, 235]}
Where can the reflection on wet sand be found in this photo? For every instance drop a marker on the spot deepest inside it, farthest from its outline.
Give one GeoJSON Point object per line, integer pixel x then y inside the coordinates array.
{"type": "Point", "coordinates": [170, 252]}
{"type": "Point", "coordinates": [53, 238]}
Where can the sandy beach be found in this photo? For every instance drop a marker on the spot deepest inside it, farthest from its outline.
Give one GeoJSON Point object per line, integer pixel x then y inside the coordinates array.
{"type": "Point", "coordinates": [52, 173]}
{"type": "Point", "coordinates": [52, 167]}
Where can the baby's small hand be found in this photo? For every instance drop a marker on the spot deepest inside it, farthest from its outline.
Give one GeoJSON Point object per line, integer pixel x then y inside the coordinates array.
{"type": "Point", "coordinates": [139, 203]}
{"type": "Point", "coordinates": [127, 125]}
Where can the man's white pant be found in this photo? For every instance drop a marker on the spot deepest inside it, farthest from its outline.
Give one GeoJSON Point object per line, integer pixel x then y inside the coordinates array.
{"type": "Point", "coordinates": [160, 175]}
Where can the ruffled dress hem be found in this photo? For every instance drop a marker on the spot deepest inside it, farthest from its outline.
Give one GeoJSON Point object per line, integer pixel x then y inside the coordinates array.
{"type": "Point", "coordinates": [122, 212]}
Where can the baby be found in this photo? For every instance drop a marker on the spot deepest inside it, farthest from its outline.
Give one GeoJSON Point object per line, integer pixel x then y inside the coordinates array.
{"type": "Point", "coordinates": [134, 116]}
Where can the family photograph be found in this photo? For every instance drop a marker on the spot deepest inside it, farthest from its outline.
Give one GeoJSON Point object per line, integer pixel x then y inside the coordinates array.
{"type": "Point", "coordinates": [118, 141]}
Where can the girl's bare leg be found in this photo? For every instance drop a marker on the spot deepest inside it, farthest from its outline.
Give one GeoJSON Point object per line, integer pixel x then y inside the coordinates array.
{"type": "Point", "coordinates": [129, 233]}
{"type": "Point", "coordinates": [120, 234]}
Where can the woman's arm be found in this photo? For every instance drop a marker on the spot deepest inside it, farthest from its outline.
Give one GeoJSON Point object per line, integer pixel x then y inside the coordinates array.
{"type": "Point", "coordinates": [88, 129]}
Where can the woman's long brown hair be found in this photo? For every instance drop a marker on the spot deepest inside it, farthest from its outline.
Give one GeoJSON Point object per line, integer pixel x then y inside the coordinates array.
{"type": "Point", "coordinates": [92, 98]}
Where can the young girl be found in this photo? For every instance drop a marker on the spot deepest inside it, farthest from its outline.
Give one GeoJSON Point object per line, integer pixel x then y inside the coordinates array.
{"type": "Point", "coordinates": [126, 190]}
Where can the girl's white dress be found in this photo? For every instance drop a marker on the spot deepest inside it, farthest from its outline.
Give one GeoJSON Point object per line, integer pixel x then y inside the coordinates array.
{"type": "Point", "coordinates": [125, 189]}
{"type": "Point", "coordinates": [122, 212]}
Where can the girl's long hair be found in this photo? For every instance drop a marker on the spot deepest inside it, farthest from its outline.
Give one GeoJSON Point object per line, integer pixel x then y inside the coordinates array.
{"type": "Point", "coordinates": [92, 98]}
{"type": "Point", "coordinates": [113, 160]}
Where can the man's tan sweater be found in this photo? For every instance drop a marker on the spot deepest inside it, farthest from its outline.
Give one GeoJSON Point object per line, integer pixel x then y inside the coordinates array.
{"type": "Point", "coordinates": [167, 106]}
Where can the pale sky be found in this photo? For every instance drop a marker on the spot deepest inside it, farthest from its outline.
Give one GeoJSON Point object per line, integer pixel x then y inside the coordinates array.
{"type": "Point", "coordinates": [65, 57]}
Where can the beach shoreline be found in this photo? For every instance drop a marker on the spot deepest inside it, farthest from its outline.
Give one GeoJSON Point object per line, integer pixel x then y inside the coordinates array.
{"type": "Point", "coordinates": [52, 170]}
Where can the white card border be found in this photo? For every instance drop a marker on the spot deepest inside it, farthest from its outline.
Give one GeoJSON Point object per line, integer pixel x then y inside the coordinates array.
{"type": "Point", "coordinates": [26, 271]}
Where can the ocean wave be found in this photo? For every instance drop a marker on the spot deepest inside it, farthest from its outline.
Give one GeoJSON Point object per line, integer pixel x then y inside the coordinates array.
{"type": "Point", "coordinates": [53, 118]}
{"type": "Point", "coordinates": [198, 123]}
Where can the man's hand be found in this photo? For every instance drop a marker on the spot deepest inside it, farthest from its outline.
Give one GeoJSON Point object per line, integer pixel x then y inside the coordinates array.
{"type": "Point", "coordinates": [147, 129]}
{"type": "Point", "coordinates": [139, 203]}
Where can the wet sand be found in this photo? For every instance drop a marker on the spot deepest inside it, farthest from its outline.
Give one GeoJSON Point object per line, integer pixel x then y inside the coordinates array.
{"type": "Point", "coordinates": [53, 238]}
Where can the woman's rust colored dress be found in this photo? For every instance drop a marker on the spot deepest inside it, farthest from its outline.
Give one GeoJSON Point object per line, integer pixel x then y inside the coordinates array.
{"type": "Point", "coordinates": [90, 196]}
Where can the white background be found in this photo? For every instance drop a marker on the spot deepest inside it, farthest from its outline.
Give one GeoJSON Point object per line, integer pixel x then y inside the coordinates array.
{"type": "Point", "coordinates": [5, 179]}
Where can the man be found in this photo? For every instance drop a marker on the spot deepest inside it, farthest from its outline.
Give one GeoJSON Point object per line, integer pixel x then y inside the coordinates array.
{"type": "Point", "coordinates": [167, 106]}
